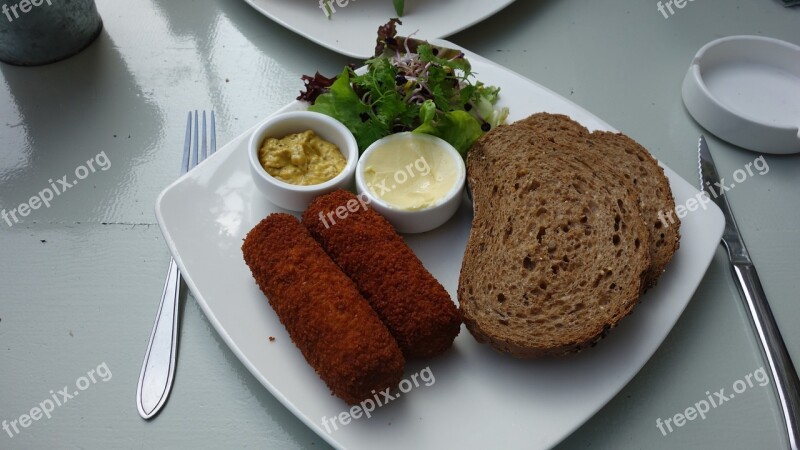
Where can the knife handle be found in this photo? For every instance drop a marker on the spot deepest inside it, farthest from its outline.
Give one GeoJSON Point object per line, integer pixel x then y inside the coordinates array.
{"type": "Point", "coordinates": [780, 363]}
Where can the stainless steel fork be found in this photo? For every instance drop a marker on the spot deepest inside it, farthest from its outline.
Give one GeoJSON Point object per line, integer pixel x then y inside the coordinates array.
{"type": "Point", "coordinates": [158, 368]}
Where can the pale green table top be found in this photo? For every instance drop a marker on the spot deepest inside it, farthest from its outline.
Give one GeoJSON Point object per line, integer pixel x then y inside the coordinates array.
{"type": "Point", "coordinates": [81, 279]}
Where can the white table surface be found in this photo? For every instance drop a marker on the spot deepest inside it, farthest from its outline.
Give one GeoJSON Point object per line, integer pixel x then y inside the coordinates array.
{"type": "Point", "coordinates": [80, 280]}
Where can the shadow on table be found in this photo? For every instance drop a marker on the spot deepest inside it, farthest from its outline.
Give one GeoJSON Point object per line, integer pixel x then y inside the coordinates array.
{"type": "Point", "coordinates": [63, 109]}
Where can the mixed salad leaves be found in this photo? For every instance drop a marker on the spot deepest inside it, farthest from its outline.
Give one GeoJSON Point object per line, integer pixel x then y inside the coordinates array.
{"type": "Point", "coordinates": [409, 86]}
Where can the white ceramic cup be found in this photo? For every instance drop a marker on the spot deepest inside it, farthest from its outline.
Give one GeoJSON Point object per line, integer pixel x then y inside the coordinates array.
{"type": "Point", "coordinates": [422, 220]}
{"type": "Point", "coordinates": [290, 196]}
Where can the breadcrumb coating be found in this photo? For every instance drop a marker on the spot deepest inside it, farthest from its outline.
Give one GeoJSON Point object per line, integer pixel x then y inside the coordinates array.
{"type": "Point", "coordinates": [414, 306]}
{"type": "Point", "coordinates": [327, 318]}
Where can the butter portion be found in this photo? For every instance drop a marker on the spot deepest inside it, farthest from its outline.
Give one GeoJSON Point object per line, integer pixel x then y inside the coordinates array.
{"type": "Point", "coordinates": [410, 173]}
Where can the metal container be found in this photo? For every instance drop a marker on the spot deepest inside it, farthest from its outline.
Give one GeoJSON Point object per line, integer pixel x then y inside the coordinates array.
{"type": "Point", "coordinates": [34, 32]}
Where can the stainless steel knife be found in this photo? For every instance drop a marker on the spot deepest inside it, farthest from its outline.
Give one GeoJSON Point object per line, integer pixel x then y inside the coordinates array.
{"type": "Point", "coordinates": [744, 272]}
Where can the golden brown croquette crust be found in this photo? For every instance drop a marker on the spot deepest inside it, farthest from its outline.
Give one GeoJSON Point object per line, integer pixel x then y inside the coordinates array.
{"type": "Point", "coordinates": [338, 333]}
{"type": "Point", "coordinates": [410, 301]}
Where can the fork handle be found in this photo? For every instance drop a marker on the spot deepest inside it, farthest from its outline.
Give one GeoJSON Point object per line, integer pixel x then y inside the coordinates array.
{"type": "Point", "coordinates": [780, 363]}
{"type": "Point", "coordinates": [158, 368]}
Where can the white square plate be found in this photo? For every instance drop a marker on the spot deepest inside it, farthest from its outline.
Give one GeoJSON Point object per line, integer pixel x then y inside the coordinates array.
{"type": "Point", "coordinates": [351, 29]}
{"type": "Point", "coordinates": [479, 399]}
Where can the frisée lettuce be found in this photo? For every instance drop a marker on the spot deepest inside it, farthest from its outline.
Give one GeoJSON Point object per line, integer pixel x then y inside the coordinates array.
{"type": "Point", "coordinates": [409, 86]}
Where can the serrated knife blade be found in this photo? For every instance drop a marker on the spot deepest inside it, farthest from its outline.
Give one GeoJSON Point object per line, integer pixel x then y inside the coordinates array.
{"type": "Point", "coordinates": [715, 188]}
{"type": "Point", "coordinates": [783, 372]}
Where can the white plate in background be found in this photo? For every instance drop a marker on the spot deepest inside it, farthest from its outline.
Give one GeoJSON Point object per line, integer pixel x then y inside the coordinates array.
{"type": "Point", "coordinates": [480, 398]}
{"type": "Point", "coordinates": [352, 29]}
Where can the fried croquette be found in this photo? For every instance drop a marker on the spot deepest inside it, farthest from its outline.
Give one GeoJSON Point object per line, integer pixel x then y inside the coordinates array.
{"type": "Point", "coordinates": [410, 301]}
{"type": "Point", "coordinates": [337, 332]}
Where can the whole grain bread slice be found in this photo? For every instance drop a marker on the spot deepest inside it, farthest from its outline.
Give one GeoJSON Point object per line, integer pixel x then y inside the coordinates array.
{"type": "Point", "coordinates": [632, 161]}
{"type": "Point", "coordinates": [557, 252]}
{"type": "Point", "coordinates": [655, 197]}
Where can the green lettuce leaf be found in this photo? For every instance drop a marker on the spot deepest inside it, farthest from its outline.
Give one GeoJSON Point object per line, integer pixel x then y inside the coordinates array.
{"type": "Point", "coordinates": [459, 128]}
{"type": "Point", "coordinates": [343, 104]}
{"type": "Point", "coordinates": [399, 5]}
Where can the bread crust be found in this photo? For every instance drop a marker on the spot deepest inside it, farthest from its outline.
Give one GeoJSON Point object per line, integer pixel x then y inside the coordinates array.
{"type": "Point", "coordinates": [655, 198]}
{"type": "Point", "coordinates": [555, 226]}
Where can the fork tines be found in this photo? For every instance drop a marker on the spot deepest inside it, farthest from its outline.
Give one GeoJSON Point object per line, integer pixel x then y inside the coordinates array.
{"type": "Point", "coordinates": [193, 152]}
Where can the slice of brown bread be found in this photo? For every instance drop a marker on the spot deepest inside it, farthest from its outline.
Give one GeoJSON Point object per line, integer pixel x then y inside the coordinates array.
{"type": "Point", "coordinates": [558, 250]}
{"type": "Point", "coordinates": [655, 197]}
{"type": "Point", "coordinates": [634, 162]}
